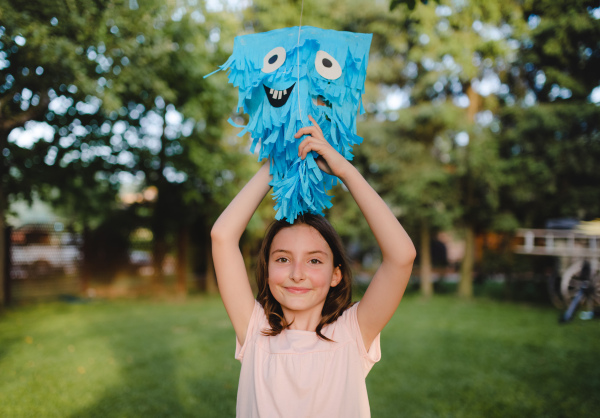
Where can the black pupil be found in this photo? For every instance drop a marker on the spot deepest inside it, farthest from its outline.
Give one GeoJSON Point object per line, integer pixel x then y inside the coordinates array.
{"type": "Point", "coordinates": [273, 59]}
{"type": "Point", "coordinates": [327, 63]}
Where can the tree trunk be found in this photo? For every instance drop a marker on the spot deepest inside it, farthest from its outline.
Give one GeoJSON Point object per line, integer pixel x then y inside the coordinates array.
{"type": "Point", "coordinates": [159, 251]}
{"type": "Point", "coordinates": [7, 124]}
{"type": "Point", "coordinates": [85, 265]}
{"type": "Point", "coordinates": [465, 287]}
{"type": "Point", "coordinates": [4, 277]}
{"type": "Point", "coordinates": [182, 260]}
{"type": "Point", "coordinates": [474, 103]}
{"type": "Point", "coordinates": [425, 260]}
{"type": "Point", "coordinates": [159, 218]}
{"type": "Point", "coordinates": [4, 283]}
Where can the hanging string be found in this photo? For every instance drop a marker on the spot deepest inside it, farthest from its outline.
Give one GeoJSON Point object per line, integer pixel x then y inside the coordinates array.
{"type": "Point", "coordinates": [298, 54]}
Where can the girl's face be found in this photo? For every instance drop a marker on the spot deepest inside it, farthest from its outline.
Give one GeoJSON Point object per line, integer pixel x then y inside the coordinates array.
{"type": "Point", "coordinates": [301, 270]}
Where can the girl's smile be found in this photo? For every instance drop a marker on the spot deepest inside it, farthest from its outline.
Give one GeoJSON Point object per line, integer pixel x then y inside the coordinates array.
{"type": "Point", "coordinates": [297, 290]}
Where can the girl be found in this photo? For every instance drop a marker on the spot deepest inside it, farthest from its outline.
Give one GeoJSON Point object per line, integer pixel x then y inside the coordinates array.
{"type": "Point", "coordinates": [305, 351]}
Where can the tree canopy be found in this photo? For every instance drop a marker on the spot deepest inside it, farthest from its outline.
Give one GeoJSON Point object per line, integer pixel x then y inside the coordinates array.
{"type": "Point", "coordinates": [112, 92]}
{"type": "Point", "coordinates": [481, 115]}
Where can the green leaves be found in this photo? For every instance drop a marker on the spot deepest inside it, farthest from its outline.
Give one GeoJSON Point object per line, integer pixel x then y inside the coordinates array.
{"type": "Point", "coordinates": [409, 3]}
{"type": "Point", "coordinates": [564, 47]}
{"type": "Point", "coordinates": [555, 147]}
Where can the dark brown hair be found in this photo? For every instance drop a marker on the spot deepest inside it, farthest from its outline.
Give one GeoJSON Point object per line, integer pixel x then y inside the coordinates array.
{"type": "Point", "coordinates": [339, 298]}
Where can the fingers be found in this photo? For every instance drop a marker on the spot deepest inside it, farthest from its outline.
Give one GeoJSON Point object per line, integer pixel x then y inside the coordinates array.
{"type": "Point", "coordinates": [327, 155]}
{"type": "Point", "coordinates": [305, 147]}
{"type": "Point", "coordinates": [329, 159]}
{"type": "Point", "coordinates": [314, 141]}
{"type": "Point", "coordinates": [311, 143]}
{"type": "Point", "coordinates": [314, 130]}
{"type": "Point", "coordinates": [302, 131]}
{"type": "Point", "coordinates": [316, 125]}
{"type": "Point", "coordinates": [308, 130]}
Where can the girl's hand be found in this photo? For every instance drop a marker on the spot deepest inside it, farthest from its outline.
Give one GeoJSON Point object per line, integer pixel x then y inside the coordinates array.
{"type": "Point", "coordinates": [330, 160]}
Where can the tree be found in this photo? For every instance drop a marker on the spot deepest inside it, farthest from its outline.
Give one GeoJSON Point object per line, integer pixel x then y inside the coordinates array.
{"type": "Point", "coordinates": [552, 151]}
{"type": "Point", "coordinates": [176, 117]}
{"type": "Point", "coordinates": [119, 88]}
{"type": "Point", "coordinates": [453, 53]}
{"type": "Point", "coordinates": [419, 183]}
{"type": "Point", "coordinates": [551, 136]}
{"type": "Point", "coordinates": [39, 61]}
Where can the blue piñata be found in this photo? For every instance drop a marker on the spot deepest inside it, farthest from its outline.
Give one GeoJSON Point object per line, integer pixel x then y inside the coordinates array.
{"type": "Point", "coordinates": [282, 77]}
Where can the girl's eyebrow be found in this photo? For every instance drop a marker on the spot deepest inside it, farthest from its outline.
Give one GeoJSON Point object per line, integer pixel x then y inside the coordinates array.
{"type": "Point", "coordinates": [280, 251]}
{"type": "Point", "coordinates": [289, 252]}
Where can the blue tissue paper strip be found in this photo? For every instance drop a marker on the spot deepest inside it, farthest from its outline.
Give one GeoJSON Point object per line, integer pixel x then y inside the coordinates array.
{"type": "Point", "coordinates": [278, 96]}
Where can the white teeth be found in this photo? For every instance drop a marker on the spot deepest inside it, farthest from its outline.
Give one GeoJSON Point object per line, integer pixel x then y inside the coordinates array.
{"type": "Point", "coordinates": [277, 94]}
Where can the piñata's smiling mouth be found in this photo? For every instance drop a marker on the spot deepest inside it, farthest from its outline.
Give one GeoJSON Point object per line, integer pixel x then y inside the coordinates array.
{"type": "Point", "coordinates": [278, 98]}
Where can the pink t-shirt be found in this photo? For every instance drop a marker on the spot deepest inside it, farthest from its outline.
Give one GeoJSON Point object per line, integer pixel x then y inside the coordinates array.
{"type": "Point", "coordinates": [297, 374]}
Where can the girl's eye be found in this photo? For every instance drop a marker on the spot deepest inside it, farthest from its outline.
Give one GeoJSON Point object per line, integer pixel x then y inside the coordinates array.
{"type": "Point", "coordinates": [273, 60]}
{"type": "Point", "coordinates": [315, 261]}
{"type": "Point", "coordinates": [327, 66]}
{"type": "Point", "coordinates": [281, 260]}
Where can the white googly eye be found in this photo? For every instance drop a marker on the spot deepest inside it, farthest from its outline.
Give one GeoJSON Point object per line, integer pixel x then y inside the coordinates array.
{"type": "Point", "coordinates": [327, 66]}
{"type": "Point", "coordinates": [273, 60]}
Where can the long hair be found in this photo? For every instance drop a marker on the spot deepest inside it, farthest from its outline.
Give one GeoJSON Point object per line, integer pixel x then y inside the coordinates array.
{"type": "Point", "coordinates": [339, 298]}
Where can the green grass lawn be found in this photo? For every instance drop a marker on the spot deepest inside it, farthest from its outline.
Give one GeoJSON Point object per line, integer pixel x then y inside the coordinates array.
{"type": "Point", "coordinates": [441, 358]}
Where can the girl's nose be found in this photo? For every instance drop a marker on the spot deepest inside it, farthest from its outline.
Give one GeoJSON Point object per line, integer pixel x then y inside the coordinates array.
{"type": "Point", "coordinates": [297, 273]}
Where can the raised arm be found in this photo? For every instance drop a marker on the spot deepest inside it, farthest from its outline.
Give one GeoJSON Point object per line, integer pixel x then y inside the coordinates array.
{"type": "Point", "coordinates": [398, 252]}
{"type": "Point", "coordinates": [232, 276]}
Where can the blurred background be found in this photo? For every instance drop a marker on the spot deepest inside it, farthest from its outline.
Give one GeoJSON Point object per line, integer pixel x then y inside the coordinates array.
{"type": "Point", "coordinates": [481, 132]}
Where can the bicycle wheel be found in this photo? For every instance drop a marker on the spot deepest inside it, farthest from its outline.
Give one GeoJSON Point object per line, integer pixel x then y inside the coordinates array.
{"type": "Point", "coordinates": [582, 276]}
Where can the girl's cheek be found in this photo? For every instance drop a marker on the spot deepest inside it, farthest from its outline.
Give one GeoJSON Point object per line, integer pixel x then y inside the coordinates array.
{"type": "Point", "coordinates": [275, 281]}
{"type": "Point", "coordinates": [277, 275]}
{"type": "Point", "coordinates": [321, 282]}
{"type": "Point", "coordinates": [320, 278]}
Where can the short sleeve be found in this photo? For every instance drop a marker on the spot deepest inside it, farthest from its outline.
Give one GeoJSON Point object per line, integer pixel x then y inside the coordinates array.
{"type": "Point", "coordinates": [253, 327]}
{"type": "Point", "coordinates": [371, 355]}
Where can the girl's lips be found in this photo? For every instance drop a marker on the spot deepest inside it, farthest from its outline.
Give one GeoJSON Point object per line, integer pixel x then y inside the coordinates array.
{"type": "Point", "coordinates": [297, 290]}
